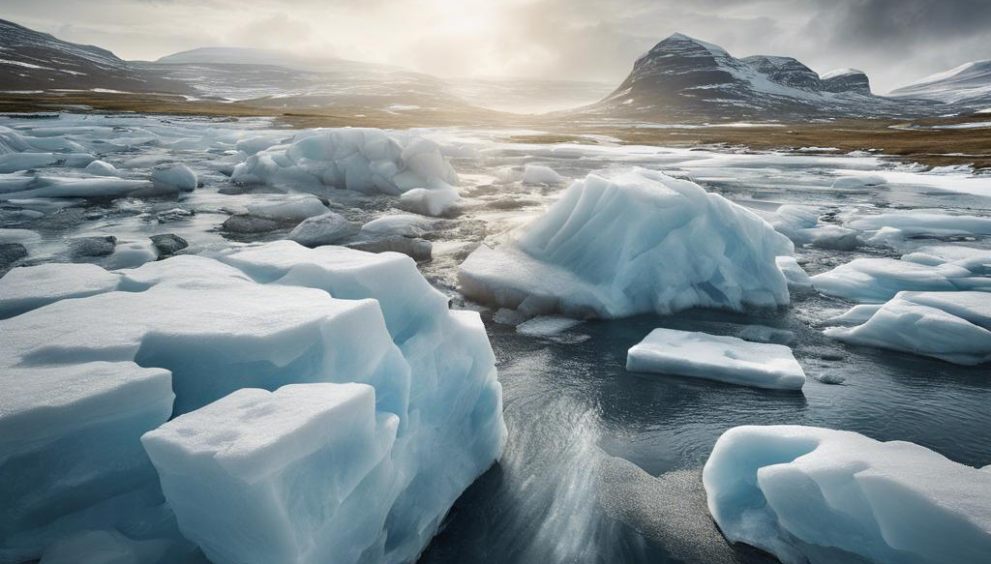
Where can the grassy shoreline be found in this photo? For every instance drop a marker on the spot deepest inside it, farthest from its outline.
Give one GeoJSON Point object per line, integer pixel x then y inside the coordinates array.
{"type": "Point", "coordinates": [927, 141]}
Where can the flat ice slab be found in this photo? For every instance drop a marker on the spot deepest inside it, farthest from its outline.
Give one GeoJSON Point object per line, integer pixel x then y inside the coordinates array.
{"type": "Point", "coordinates": [27, 288]}
{"type": "Point", "coordinates": [712, 357]}
{"type": "Point", "coordinates": [807, 494]}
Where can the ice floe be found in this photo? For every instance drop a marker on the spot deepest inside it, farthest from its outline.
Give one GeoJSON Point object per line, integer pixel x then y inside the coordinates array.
{"type": "Point", "coordinates": [876, 280]}
{"type": "Point", "coordinates": [31, 287]}
{"type": "Point", "coordinates": [803, 226]}
{"type": "Point", "coordinates": [713, 357]}
{"type": "Point", "coordinates": [952, 326]}
{"type": "Point", "coordinates": [632, 243]}
{"type": "Point", "coordinates": [807, 494]}
{"type": "Point", "coordinates": [364, 160]}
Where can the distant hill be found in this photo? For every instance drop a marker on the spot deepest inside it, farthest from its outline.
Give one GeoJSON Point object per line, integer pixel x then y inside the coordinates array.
{"type": "Point", "coordinates": [285, 80]}
{"type": "Point", "coordinates": [685, 77]}
{"type": "Point", "coordinates": [31, 60]}
{"type": "Point", "coordinates": [968, 85]}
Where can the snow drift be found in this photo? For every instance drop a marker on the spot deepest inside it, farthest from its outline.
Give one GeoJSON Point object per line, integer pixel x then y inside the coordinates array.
{"type": "Point", "coordinates": [636, 242]}
{"type": "Point", "coordinates": [197, 329]}
{"type": "Point", "coordinates": [816, 495]}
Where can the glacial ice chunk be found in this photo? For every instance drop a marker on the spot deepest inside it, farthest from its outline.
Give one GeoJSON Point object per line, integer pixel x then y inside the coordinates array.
{"type": "Point", "coordinates": [798, 280]}
{"type": "Point", "coordinates": [540, 174]}
{"type": "Point", "coordinates": [952, 326]}
{"type": "Point", "coordinates": [302, 474]}
{"type": "Point", "coordinates": [803, 226]}
{"type": "Point", "coordinates": [101, 168]}
{"type": "Point", "coordinates": [435, 202]}
{"type": "Point", "coordinates": [876, 280]}
{"type": "Point", "coordinates": [977, 261]}
{"type": "Point", "coordinates": [259, 316]}
{"type": "Point", "coordinates": [892, 229]}
{"type": "Point", "coordinates": [859, 181]}
{"type": "Point", "coordinates": [69, 438]}
{"type": "Point", "coordinates": [712, 357]}
{"type": "Point", "coordinates": [175, 177]}
{"type": "Point", "coordinates": [371, 161]}
{"type": "Point", "coordinates": [633, 243]}
{"type": "Point", "coordinates": [808, 494]}
{"type": "Point", "coordinates": [324, 229]}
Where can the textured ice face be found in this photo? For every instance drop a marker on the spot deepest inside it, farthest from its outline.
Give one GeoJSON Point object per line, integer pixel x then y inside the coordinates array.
{"type": "Point", "coordinates": [634, 243]}
{"type": "Point", "coordinates": [817, 495]}
{"type": "Point", "coordinates": [198, 329]}
{"type": "Point", "coordinates": [713, 357]}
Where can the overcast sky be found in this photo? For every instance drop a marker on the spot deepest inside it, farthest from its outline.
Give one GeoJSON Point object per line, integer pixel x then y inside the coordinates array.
{"type": "Point", "coordinates": [894, 41]}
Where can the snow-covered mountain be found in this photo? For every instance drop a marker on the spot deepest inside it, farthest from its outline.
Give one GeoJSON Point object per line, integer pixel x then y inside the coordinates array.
{"type": "Point", "coordinates": [682, 76]}
{"type": "Point", "coordinates": [31, 60]}
{"type": "Point", "coordinates": [967, 85]}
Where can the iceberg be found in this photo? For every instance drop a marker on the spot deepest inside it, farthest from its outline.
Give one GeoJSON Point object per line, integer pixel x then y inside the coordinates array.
{"type": "Point", "coordinates": [951, 326]}
{"type": "Point", "coordinates": [812, 495]}
{"type": "Point", "coordinates": [876, 280]}
{"type": "Point", "coordinates": [633, 243]}
{"type": "Point", "coordinates": [191, 330]}
{"type": "Point", "coordinates": [712, 357]}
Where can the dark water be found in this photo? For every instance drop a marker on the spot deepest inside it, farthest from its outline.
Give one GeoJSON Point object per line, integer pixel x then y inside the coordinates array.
{"type": "Point", "coordinates": [604, 466]}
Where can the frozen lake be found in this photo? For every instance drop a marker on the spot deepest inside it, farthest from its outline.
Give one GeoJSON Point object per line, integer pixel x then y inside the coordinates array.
{"type": "Point", "coordinates": [601, 464]}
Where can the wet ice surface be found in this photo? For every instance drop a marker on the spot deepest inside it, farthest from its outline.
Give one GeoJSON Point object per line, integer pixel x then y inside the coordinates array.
{"type": "Point", "coordinates": [601, 465]}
